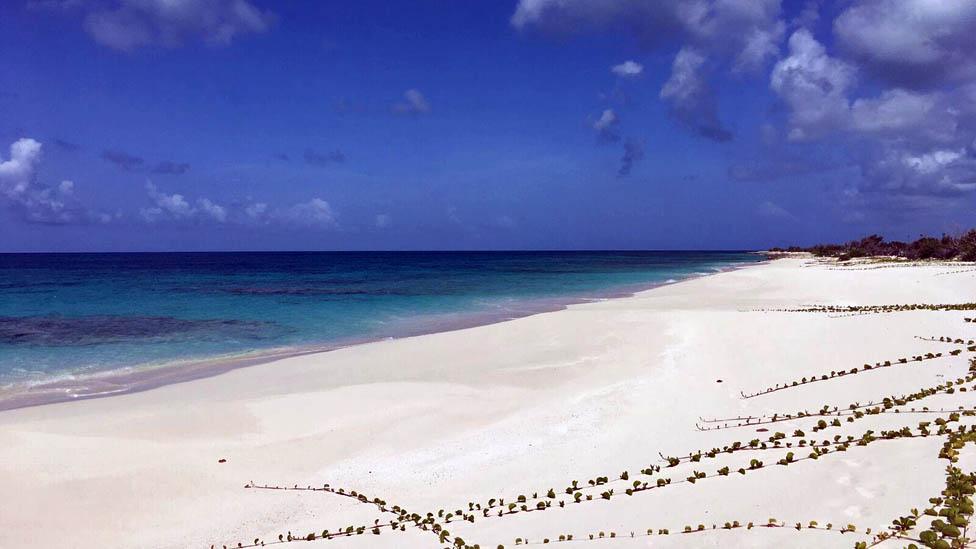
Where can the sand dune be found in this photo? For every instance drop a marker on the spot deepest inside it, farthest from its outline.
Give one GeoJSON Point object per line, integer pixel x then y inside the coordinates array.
{"type": "Point", "coordinates": [517, 408]}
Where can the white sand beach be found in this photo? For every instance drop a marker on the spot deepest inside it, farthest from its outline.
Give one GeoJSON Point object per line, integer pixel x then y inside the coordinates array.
{"type": "Point", "coordinates": [437, 421]}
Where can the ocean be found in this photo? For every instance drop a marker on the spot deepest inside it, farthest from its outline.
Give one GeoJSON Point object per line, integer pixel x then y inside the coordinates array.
{"type": "Point", "coordinates": [69, 317]}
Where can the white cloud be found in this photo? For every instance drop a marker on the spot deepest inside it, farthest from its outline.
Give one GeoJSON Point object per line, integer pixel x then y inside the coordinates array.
{"type": "Point", "coordinates": [910, 42]}
{"type": "Point", "coordinates": [691, 100]}
{"type": "Point", "coordinates": [814, 85]}
{"type": "Point", "coordinates": [315, 212]}
{"type": "Point", "coordinates": [933, 161]}
{"type": "Point", "coordinates": [17, 173]}
{"type": "Point", "coordinates": [129, 24]}
{"type": "Point", "coordinates": [383, 221]}
{"type": "Point", "coordinates": [933, 172]}
{"type": "Point", "coordinates": [744, 31]}
{"type": "Point", "coordinates": [36, 203]}
{"type": "Point", "coordinates": [150, 215]}
{"type": "Point", "coordinates": [893, 110]}
{"type": "Point", "coordinates": [627, 69]}
{"type": "Point", "coordinates": [808, 16]}
{"type": "Point", "coordinates": [743, 35]}
{"type": "Point", "coordinates": [256, 210]}
{"type": "Point", "coordinates": [684, 82]}
{"type": "Point", "coordinates": [900, 114]}
{"type": "Point", "coordinates": [176, 207]}
{"type": "Point", "coordinates": [216, 211]}
{"type": "Point", "coordinates": [607, 126]}
{"type": "Point", "coordinates": [894, 93]}
{"type": "Point", "coordinates": [413, 102]}
{"type": "Point", "coordinates": [760, 44]}
{"type": "Point", "coordinates": [911, 142]}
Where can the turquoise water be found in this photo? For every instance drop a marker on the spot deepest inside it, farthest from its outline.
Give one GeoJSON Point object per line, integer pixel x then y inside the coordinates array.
{"type": "Point", "coordinates": [62, 315]}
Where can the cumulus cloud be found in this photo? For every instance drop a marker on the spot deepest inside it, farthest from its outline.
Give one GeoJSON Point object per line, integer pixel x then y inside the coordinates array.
{"type": "Point", "coordinates": [633, 152]}
{"type": "Point", "coordinates": [414, 103]}
{"type": "Point", "coordinates": [691, 100]}
{"type": "Point", "coordinates": [257, 211]}
{"type": "Point", "coordinates": [894, 110]}
{"type": "Point", "coordinates": [910, 141]}
{"type": "Point", "coordinates": [743, 31]}
{"type": "Point", "coordinates": [17, 172]}
{"type": "Point", "coordinates": [893, 95]}
{"type": "Point", "coordinates": [937, 171]}
{"type": "Point", "coordinates": [314, 213]}
{"type": "Point", "coordinates": [123, 160]}
{"type": "Point", "coordinates": [910, 43]}
{"type": "Point", "coordinates": [607, 126]}
{"type": "Point", "coordinates": [627, 69]}
{"type": "Point", "coordinates": [814, 85]}
{"type": "Point", "coordinates": [808, 16]}
{"type": "Point", "coordinates": [216, 211]}
{"type": "Point", "coordinates": [928, 118]}
{"type": "Point", "coordinates": [316, 158]}
{"type": "Point", "coordinates": [760, 45]}
{"type": "Point", "coordinates": [176, 207]}
{"type": "Point", "coordinates": [126, 25]}
{"type": "Point", "coordinates": [741, 35]}
{"type": "Point", "coordinates": [34, 202]}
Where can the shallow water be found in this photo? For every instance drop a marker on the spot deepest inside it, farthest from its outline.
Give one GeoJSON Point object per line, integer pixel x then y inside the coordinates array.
{"type": "Point", "coordinates": [65, 315]}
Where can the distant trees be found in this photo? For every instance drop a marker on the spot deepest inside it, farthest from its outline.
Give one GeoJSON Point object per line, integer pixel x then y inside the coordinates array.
{"type": "Point", "coordinates": [967, 246]}
{"type": "Point", "coordinates": [926, 247]}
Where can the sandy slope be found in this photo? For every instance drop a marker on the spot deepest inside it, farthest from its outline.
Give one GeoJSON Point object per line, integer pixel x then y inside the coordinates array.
{"type": "Point", "coordinates": [442, 420]}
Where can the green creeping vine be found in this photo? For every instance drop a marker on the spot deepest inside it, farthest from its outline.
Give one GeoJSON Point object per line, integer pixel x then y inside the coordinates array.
{"type": "Point", "coordinates": [875, 309]}
{"type": "Point", "coordinates": [951, 510]}
{"type": "Point", "coordinates": [727, 526]}
{"type": "Point", "coordinates": [950, 339]}
{"type": "Point", "coordinates": [956, 507]}
{"type": "Point", "coordinates": [869, 437]}
{"type": "Point", "coordinates": [839, 374]}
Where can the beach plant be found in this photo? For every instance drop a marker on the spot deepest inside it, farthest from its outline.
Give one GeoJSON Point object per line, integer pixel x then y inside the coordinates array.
{"type": "Point", "coordinates": [943, 524]}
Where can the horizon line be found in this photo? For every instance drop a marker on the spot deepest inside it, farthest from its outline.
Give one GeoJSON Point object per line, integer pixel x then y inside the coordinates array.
{"type": "Point", "coordinates": [459, 250]}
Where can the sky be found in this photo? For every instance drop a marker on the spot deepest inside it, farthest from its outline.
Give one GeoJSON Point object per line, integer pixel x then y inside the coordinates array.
{"type": "Point", "coordinates": [156, 125]}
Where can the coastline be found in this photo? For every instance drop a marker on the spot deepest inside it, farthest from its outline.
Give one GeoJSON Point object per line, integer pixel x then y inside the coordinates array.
{"type": "Point", "coordinates": [138, 378]}
{"type": "Point", "coordinates": [518, 407]}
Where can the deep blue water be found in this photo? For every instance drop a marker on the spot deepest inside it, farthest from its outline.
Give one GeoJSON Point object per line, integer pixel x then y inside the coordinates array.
{"type": "Point", "coordinates": [81, 313]}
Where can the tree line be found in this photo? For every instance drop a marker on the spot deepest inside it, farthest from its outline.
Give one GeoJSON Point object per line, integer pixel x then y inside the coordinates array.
{"type": "Point", "coordinates": [961, 248]}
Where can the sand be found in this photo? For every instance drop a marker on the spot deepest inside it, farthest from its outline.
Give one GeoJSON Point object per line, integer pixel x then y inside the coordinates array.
{"type": "Point", "coordinates": [437, 421]}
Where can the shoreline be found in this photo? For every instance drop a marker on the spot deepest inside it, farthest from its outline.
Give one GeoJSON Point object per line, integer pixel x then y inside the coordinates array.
{"type": "Point", "coordinates": [139, 378]}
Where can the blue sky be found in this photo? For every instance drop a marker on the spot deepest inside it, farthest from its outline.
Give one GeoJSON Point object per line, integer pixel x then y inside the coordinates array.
{"type": "Point", "coordinates": [529, 124]}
